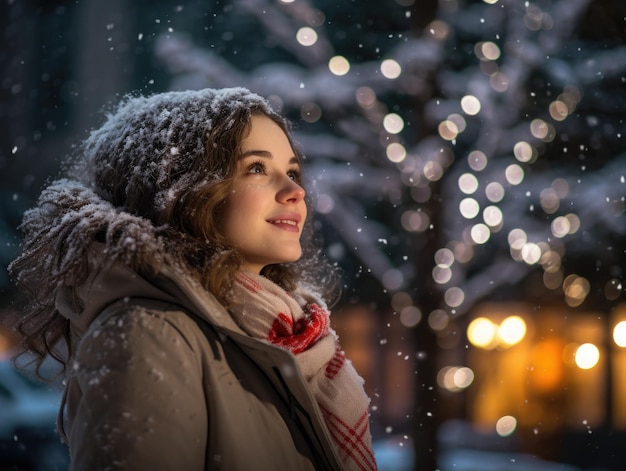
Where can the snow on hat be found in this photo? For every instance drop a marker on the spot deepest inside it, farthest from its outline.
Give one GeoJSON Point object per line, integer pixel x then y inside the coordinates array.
{"type": "Point", "coordinates": [151, 144]}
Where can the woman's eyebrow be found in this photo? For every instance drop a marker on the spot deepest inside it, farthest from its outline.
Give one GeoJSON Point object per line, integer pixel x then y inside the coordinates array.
{"type": "Point", "coordinates": [265, 154]}
{"type": "Point", "coordinates": [258, 153]}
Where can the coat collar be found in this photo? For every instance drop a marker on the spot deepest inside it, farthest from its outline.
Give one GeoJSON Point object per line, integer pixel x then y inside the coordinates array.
{"type": "Point", "coordinates": [115, 282]}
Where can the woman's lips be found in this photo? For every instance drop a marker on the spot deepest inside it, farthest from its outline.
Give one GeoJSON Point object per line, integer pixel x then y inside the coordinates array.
{"type": "Point", "coordinates": [288, 223]}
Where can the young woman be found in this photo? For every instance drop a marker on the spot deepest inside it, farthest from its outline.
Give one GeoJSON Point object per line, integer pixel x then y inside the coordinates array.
{"type": "Point", "coordinates": [169, 273]}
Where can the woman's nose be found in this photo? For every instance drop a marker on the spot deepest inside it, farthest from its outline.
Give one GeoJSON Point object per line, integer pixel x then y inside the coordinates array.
{"type": "Point", "coordinates": [291, 192]}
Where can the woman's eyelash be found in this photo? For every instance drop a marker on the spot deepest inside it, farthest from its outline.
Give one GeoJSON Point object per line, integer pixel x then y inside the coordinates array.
{"type": "Point", "coordinates": [294, 173]}
{"type": "Point", "coordinates": [259, 164]}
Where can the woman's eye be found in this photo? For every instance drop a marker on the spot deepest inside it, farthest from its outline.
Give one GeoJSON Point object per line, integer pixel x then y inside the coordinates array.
{"type": "Point", "coordinates": [257, 168]}
{"type": "Point", "coordinates": [295, 175]}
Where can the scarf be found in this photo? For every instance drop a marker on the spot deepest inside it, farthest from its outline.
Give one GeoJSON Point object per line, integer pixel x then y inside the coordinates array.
{"type": "Point", "coordinates": [299, 322]}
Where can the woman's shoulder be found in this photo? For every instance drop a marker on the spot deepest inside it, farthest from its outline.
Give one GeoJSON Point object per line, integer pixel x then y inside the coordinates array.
{"type": "Point", "coordinates": [135, 326]}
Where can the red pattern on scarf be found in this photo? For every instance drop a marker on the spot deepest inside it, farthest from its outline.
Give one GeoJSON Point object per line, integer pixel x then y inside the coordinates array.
{"type": "Point", "coordinates": [302, 334]}
{"type": "Point", "coordinates": [351, 440]}
{"type": "Point", "coordinates": [250, 284]}
{"type": "Point", "coordinates": [336, 363]}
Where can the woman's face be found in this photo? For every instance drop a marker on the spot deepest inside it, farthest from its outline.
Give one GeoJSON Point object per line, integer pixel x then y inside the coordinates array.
{"type": "Point", "coordinates": [265, 210]}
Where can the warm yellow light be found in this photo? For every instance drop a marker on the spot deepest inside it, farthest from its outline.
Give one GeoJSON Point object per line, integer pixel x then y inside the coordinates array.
{"type": "Point", "coordinates": [619, 334]}
{"type": "Point", "coordinates": [512, 330]}
{"type": "Point", "coordinates": [587, 356]}
{"type": "Point", "coordinates": [481, 332]}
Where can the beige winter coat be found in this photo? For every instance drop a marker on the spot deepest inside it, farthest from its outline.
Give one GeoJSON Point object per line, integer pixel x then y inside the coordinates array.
{"type": "Point", "coordinates": [163, 379]}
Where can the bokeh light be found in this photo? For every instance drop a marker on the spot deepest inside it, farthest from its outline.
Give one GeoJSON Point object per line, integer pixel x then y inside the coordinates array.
{"type": "Point", "coordinates": [482, 332]}
{"type": "Point", "coordinates": [306, 36]}
{"type": "Point", "coordinates": [365, 97]}
{"type": "Point", "coordinates": [506, 425]}
{"type": "Point", "coordinates": [444, 257]}
{"type": "Point", "coordinates": [393, 123]}
{"type": "Point", "coordinates": [390, 69]}
{"type": "Point", "coordinates": [493, 217]}
{"type": "Point", "coordinates": [477, 160]}
{"type": "Point", "coordinates": [448, 130]}
{"type": "Point", "coordinates": [470, 105]}
{"type": "Point", "coordinates": [587, 356]}
{"type": "Point", "coordinates": [455, 378]}
{"type": "Point", "coordinates": [512, 330]}
{"type": "Point", "coordinates": [468, 183]}
{"type": "Point", "coordinates": [514, 174]}
{"type": "Point", "coordinates": [410, 316]}
{"type": "Point", "coordinates": [613, 289]}
{"type": "Point", "coordinates": [441, 274]}
{"type": "Point", "coordinates": [310, 112]}
{"type": "Point", "coordinates": [414, 221]}
{"type": "Point", "coordinates": [433, 170]}
{"type": "Point", "coordinates": [524, 152]}
{"type": "Point", "coordinates": [324, 203]}
{"type": "Point", "coordinates": [480, 233]}
{"type": "Point", "coordinates": [542, 130]}
{"type": "Point", "coordinates": [560, 227]}
{"type": "Point", "coordinates": [469, 208]}
{"type": "Point", "coordinates": [454, 296]}
{"type": "Point", "coordinates": [558, 110]}
{"type": "Point", "coordinates": [576, 289]}
{"type": "Point", "coordinates": [487, 51]}
{"type": "Point", "coordinates": [494, 192]}
{"type": "Point", "coordinates": [438, 319]}
{"type": "Point", "coordinates": [531, 253]}
{"type": "Point", "coordinates": [619, 334]}
{"type": "Point", "coordinates": [396, 152]}
{"type": "Point", "coordinates": [549, 200]}
{"type": "Point", "coordinates": [339, 65]}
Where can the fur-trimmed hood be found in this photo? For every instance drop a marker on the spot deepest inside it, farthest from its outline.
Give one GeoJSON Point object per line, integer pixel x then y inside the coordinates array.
{"type": "Point", "coordinates": [85, 229]}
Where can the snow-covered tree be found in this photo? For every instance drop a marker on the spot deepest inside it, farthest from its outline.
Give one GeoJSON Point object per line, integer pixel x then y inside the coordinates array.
{"type": "Point", "coordinates": [491, 143]}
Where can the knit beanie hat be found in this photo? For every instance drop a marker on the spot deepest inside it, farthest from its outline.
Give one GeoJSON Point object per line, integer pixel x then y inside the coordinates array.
{"type": "Point", "coordinates": [153, 147]}
{"type": "Point", "coordinates": [148, 151]}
